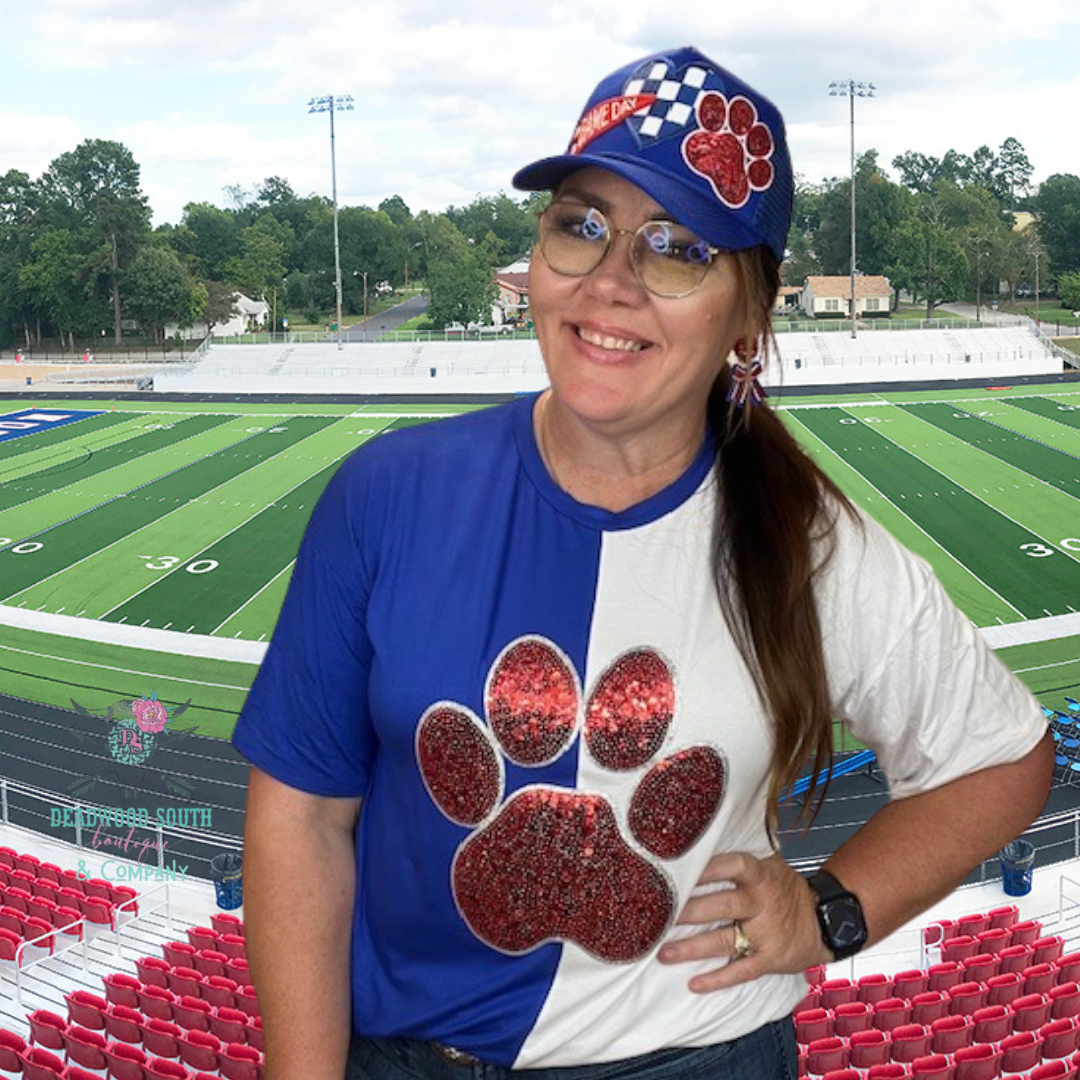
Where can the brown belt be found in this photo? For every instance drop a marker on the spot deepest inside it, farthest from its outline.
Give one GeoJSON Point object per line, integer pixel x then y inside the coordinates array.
{"type": "Point", "coordinates": [454, 1056]}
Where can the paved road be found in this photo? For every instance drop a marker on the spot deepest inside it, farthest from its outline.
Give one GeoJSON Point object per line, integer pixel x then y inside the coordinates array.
{"type": "Point", "coordinates": [386, 321]}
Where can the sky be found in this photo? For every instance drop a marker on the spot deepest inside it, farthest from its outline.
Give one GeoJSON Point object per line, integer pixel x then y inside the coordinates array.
{"type": "Point", "coordinates": [451, 97]}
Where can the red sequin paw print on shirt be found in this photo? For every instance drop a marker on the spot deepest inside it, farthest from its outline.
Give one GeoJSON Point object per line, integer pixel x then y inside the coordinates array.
{"type": "Point", "coordinates": [548, 863]}
{"type": "Point", "coordinates": [733, 150]}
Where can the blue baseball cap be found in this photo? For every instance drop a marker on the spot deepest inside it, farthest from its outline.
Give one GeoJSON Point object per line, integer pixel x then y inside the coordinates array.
{"type": "Point", "coordinates": [707, 147]}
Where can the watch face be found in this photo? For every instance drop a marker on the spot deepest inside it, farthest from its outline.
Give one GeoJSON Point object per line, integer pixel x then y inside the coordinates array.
{"type": "Point", "coordinates": [844, 924]}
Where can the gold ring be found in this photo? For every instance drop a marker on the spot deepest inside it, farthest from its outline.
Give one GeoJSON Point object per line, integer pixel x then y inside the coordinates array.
{"type": "Point", "coordinates": [744, 947]}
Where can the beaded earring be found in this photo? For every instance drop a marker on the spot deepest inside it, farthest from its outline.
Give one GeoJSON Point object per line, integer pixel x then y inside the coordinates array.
{"type": "Point", "coordinates": [745, 386]}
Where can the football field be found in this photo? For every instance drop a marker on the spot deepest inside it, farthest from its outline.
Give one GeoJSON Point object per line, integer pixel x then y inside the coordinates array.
{"type": "Point", "coordinates": [186, 517]}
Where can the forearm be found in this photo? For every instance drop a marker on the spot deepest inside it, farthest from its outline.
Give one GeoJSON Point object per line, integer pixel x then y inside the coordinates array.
{"type": "Point", "coordinates": [299, 885]}
{"type": "Point", "coordinates": [915, 851]}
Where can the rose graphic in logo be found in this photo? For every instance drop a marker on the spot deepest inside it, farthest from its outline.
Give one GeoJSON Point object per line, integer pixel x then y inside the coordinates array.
{"type": "Point", "coordinates": [150, 714]}
{"type": "Point", "coordinates": [137, 725]}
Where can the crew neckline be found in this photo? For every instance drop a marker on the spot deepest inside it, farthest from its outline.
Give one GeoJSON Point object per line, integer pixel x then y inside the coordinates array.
{"type": "Point", "coordinates": [648, 510]}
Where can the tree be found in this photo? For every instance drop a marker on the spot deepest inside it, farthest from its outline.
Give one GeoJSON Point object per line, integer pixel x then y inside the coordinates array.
{"type": "Point", "coordinates": [881, 207]}
{"type": "Point", "coordinates": [396, 209]}
{"type": "Point", "coordinates": [261, 266]}
{"type": "Point", "coordinates": [1058, 207]}
{"type": "Point", "coordinates": [160, 290]}
{"type": "Point", "coordinates": [221, 304]}
{"type": "Point", "coordinates": [95, 188]}
{"type": "Point", "coordinates": [930, 261]}
{"type": "Point", "coordinates": [217, 237]}
{"type": "Point", "coordinates": [55, 279]}
{"type": "Point", "coordinates": [18, 204]}
{"type": "Point", "coordinates": [1069, 290]}
{"type": "Point", "coordinates": [1013, 175]}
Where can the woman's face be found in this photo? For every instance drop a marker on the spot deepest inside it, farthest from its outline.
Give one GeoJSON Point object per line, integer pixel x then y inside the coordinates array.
{"type": "Point", "coordinates": [619, 358]}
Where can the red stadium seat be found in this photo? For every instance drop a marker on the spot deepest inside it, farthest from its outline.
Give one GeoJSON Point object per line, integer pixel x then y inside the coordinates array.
{"type": "Point", "coordinates": [124, 1024]}
{"type": "Point", "coordinates": [220, 990]}
{"type": "Point", "coordinates": [192, 1013]}
{"type": "Point", "coordinates": [239, 1062]}
{"type": "Point", "coordinates": [1031, 1010]}
{"type": "Point", "coordinates": [86, 1009]}
{"type": "Point", "coordinates": [833, 992]}
{"type": "Point", "coordinates": [867, 1048]}
{"type": "Point", "coordinates": [125, 1061]}
{"type": "Point", "coordinates": [1053, 1070]}
{"type": "Point", "coordinates": [992, 1023]}
{"type": "Point", "coordinates": [1021, 1051]}
{"type": "Point", "coordinates": [933, 1067]}
{"type": "Point", "coordinates": [86, 1048]}
{"type": "Point", "coordinates": [161, 1038]}
{"type": "Point", "coordinates": [230, 1025]}
{"type": "Point", "coordinates": [978, 1062]}
{"type": "Point", "coordinates": [810, 1024]}
{"type": "Point", "coordinates": [163, 1069]}
{"type": "Point", "coordinates": [1004, 988]}
{"type": "Point", "coordinates": [966, 997]}
{"type": "Point", "coordinates": [891, 1013]}
{"type": "Point", "coordinates": [909, 1041]}
{"type": "Point", "coordinates": [11, 1046]}
{"type": "Point", "coordinates": [959, 948]}
{"type": "Point", "coordinates": [225, 922]}
{"type": "Point", "coordinates": [212, 961]}
{"type": "Point", "coordinates": [1059, 1038]}
{"type": "Point", "coordinates": [906, 984]}
{"type": "Point", "coordinates": [39, 1064]}
{"type": "Point", "coordinates": [1065, 998]}
{"type": "Point", "coordinates": [951, 1033]}
{"type": "Point", "coordinates": [1048, 949]}
{"type": "Point", "coordinates": [929, 1006]}
{"type": "Point", "coordinates": [153, 971]}
{"type": "Point", "coordinates": [184, 980]}
{"type": "Point", "coordinates": [850, 1017]}
{"type": "Point", "coordinates": [154, 1001]}
{"type": "Point", "coordinates": [1039, 978]}
{"type": "Point", "coordinates": [179, 953]}
{"type": "Point", "coordinates": [1004, 917]}
{"type": "Point", "coordinates": [1025, 933]}
{"type": "Point", "coordinates": [202, 937]}
{"type": "Point", "coordinates": [122, 989]}
{"type": "Point", "coordinates": [47, 1029]}
{"type": "Point", "coordinates": [873, 988]}
{"type": "Point", "coordinates": [199, 1050]}
{"type": "Point", "coordinates": [945, 975]}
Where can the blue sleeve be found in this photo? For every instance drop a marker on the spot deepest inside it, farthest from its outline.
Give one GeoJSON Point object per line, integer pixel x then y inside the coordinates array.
{"type": "Point", "coordinates": [306, 720]}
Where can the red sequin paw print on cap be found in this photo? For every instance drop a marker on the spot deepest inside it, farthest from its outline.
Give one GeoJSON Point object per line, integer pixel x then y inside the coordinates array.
{"type": "Point", "coordinates": [552, 864]}
{"type": "Point", "coordinates": [733, 150]}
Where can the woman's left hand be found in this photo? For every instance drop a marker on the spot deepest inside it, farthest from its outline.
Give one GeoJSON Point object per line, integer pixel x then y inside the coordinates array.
{"type": "Point", "coordinates": [774, 908]}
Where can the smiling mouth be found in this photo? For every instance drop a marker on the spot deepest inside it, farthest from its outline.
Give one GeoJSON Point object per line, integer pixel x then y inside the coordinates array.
{"type": "Point", "coordinates": [606, 341]}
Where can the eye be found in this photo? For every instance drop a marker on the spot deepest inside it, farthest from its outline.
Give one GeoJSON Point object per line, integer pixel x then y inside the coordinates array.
{"type": "Point", "coordinates": [671, 242]}
{"type": "Point", "coordinates": [578, 222]}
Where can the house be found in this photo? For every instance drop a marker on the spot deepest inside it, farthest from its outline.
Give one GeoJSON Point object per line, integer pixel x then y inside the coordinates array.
{"type": "Point", "coordinates": [787, 300]}
{"type": "Point", "coordinates": [830, 297]}
{"type": "Point", "coordinates": [251, 315]}
{"type": "Point", "coordinates": [513, 286]}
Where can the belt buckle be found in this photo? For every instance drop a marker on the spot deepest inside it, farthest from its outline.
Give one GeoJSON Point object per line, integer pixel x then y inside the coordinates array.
{"type": "Point", "coordinates": [455, 1056]}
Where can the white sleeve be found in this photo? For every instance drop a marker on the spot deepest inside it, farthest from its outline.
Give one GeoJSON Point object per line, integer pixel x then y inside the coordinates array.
{"type": "Point", "coordinates": [909, 673]}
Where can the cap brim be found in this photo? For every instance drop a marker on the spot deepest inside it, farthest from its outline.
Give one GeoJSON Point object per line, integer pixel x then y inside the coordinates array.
{"type": "Point", "coordinates": [686, 206]}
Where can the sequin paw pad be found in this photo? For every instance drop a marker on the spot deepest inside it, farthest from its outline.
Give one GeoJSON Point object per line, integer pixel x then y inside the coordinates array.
{"type": "Point", "coordinates": [732, 149]}
{"type": "Point", "coordinates": [545, 863]}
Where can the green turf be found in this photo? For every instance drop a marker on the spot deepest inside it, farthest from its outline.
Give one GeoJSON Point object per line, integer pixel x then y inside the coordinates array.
{"type": "Point", "coordinates": [983, 539]}
{"type": "Point", "coordinates": [53, 669]}
{"type": "Point", "coordinates": [85, 466]}
{"type": "Point", "coordinates": [1001, 470]}
{"type": "Point", "coordinates": [76, 538]}
{"type": "Point", "coordinates": [78, 430]}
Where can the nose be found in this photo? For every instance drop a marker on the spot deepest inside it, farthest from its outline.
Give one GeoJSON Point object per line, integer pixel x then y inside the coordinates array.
{"type": "Point", "coordinates": [615, 275]}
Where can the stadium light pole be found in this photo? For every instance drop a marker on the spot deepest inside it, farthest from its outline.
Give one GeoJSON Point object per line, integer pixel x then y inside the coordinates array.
{"type": "Point", "coordinates": [851, 89]}
{"type": "Point", "coordinates": [331, 103]}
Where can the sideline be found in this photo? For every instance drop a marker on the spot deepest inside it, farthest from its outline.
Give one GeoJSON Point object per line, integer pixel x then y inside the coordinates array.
{"type": "Point", "coordinates": [135, 637]}
{"type": "Point", "coordinates": [206, 646]}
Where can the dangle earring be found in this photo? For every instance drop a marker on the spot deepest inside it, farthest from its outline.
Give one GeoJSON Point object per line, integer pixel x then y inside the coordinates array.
{"type": "Point", "coordinates": [745, 369]}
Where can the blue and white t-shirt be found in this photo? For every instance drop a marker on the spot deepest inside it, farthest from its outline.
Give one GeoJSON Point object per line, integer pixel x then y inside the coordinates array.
{"type": "Point", "coordinates": [552, 732]}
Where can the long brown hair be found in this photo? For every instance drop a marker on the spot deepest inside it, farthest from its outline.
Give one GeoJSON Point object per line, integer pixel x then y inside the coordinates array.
{"type": "Point", "coordinates": [774, 518]}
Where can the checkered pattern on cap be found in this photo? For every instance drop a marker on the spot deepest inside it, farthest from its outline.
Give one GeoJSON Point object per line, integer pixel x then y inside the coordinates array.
{"type": "Point", "coordinates": [694, 137]}
{"type": "Point", "coordinates": [675, 102]}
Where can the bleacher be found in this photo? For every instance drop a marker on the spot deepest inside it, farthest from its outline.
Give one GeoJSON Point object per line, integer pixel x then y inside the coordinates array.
{"type": "Point", "coordinates": [996, 996]}
{"type": "Point", "coordinates": [513, 365]}
{"type": "Point", "coordinates": [107, 986]}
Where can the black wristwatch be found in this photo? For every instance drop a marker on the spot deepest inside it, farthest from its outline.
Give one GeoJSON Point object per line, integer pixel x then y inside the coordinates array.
{"type": "Point", "coordinates": [840, 915]}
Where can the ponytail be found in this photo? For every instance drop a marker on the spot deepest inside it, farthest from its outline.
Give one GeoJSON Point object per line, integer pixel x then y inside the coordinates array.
{"type": "Point", "coordinates": [774, 518]}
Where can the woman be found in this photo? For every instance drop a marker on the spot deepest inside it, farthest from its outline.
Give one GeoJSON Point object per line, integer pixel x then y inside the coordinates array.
{"type": "Point", "coordinates": [568, 652]}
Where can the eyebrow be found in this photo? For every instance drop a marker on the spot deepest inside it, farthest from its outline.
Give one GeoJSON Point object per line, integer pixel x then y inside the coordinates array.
{"type": "Point", "coordinates": [589, 199]}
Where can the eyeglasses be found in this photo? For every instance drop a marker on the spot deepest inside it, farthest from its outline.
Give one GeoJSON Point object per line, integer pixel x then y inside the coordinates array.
{"type": "Point", "coordinates": [668, 259]}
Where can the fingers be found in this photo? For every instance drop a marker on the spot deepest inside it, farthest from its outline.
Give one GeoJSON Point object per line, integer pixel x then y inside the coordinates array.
{"type": "Point", "coordinates": [763, 921]}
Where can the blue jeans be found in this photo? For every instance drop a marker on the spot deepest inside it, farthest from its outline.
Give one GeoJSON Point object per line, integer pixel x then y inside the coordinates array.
{"type": "Point", "coordinates": [769, 1053]}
